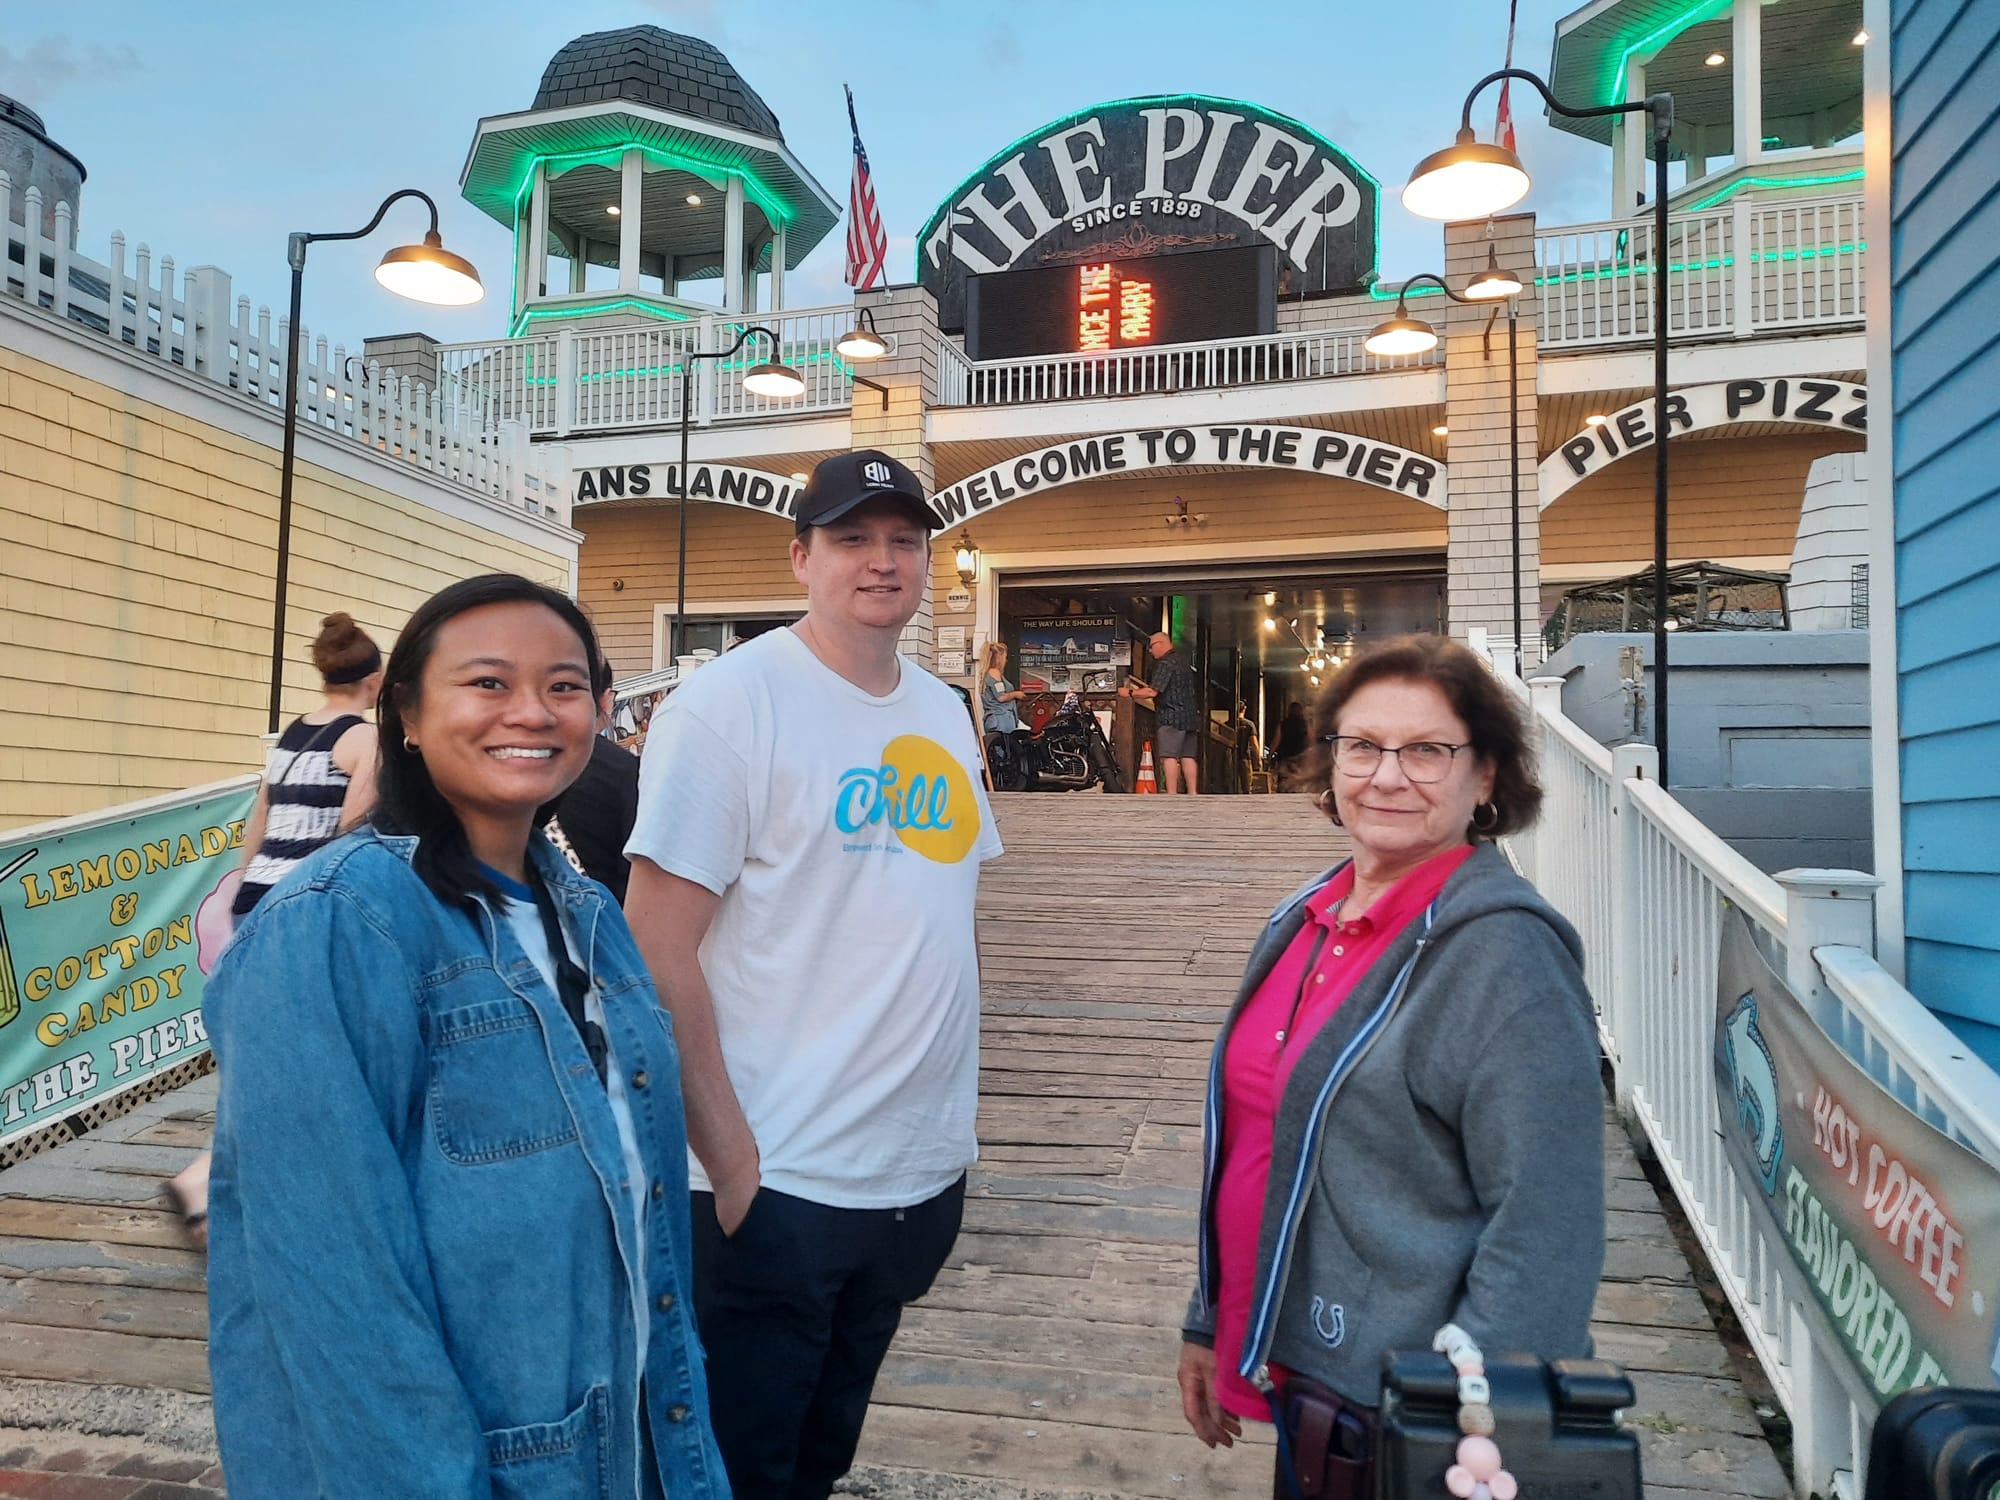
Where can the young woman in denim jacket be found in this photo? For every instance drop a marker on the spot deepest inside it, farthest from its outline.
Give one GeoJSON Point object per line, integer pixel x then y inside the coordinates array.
{"type": "Point", "coordinates": [448, 1236]}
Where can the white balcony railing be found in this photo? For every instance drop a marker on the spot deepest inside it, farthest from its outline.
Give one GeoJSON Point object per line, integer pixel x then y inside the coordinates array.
{"type": "Point", "coordinates": [1315, 354]}
{"type": "Point", "coordinates": [191, 320]}
{"type": "Point", "coordinates": [1747, 268]}
{"type": "Point", "coordinates": [1645, 884]}
{"type": "Point", "coordinates": [593, 378]}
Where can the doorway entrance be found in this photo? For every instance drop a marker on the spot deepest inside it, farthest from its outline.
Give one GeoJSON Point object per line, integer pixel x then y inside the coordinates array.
{"type": "Point", "coordinates": [1260, 638]}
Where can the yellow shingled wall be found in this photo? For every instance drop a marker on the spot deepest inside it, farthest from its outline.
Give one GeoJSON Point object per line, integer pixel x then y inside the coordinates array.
{"type": "Point", "coordinates": [137, 547]}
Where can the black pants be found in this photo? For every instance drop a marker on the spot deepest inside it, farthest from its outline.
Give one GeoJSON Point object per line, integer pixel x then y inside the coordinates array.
{"type": "Point", "coordinates": [796, 1310]}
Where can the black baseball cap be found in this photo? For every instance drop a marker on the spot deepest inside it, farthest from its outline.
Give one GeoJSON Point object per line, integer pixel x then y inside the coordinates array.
{"type": "Point", "coordinates": [846, 480]}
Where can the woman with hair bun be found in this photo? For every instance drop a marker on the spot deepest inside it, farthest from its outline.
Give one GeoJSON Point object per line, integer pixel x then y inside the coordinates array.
{"type": "Point", "coordinates": [319, 781]}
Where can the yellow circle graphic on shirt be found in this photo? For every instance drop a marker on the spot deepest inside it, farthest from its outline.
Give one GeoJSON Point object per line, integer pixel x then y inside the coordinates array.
{"type": "Point", "coordinates": [921, 791]}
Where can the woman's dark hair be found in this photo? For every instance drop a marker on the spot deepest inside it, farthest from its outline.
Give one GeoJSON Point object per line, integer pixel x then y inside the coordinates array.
{"type": "Point", "coordinates": [407, 801]}
{"type": "Point", "coordinates": [1494, 727]}
{"type": "Point", "coordinates": [342, 648]}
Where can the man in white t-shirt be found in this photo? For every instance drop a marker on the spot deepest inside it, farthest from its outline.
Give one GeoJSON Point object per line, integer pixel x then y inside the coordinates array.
{"type": "Point", "coordinates": [804, 865]}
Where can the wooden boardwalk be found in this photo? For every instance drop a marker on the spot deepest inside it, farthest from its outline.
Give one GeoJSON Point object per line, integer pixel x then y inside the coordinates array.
{"type": "Point", "coordinates": [1042, 1363]}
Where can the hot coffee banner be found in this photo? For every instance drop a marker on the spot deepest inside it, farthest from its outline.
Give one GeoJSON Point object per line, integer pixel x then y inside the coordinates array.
{"type": "Point", "coordinates": [108, 927]}
{"type": "Point", "coordinates": [1892, 1228]}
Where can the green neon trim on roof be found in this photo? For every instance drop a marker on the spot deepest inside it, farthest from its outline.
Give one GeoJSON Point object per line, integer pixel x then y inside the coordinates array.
{"type": "Point", "coordinates": [1730, 190]}
{"type": "Point", "coordinates": [1377, 293]}
{"type": "Point", "coordinates": [759, 191]}
{"type": "Point", "coordinates": [1615, 83]}
{"type": "Point", "coordinates": [1253, 111]}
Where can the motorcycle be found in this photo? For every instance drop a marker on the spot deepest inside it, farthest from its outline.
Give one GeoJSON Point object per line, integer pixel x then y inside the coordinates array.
{"type": "Point", "coordinates": [1067, 754]}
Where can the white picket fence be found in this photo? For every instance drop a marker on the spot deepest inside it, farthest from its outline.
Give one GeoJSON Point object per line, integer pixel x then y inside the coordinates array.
{"type": "Point", "coordinates": [591, 378]}
{"type": "Point", "coordinates": [190, 320]}
{"type": "Point", "coordinates": [1644, 882]}
{"type": "Point", "coordinates": [1748, 267]}
{"type": "Point", "coordinates": [1312, 354]}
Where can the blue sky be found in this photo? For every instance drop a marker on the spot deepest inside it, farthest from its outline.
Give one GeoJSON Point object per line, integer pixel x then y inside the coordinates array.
{"type": "Point", "coordinates": [212, 129]}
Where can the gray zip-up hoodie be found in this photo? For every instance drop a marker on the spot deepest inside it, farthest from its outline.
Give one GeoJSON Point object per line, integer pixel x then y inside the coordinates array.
{"type": "Point", "coordinates": [1438, 1153]}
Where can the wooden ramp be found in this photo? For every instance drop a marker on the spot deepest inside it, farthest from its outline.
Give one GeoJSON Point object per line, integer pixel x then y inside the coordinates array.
{"type": "Point", "coordinates": [1112, 936]}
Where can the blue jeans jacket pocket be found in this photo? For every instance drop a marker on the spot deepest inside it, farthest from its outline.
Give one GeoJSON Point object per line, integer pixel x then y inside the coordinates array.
{"type": "Point", "coordinates": [566, 1460]}
{"type": "Point", "coordinates": [492, 1095]}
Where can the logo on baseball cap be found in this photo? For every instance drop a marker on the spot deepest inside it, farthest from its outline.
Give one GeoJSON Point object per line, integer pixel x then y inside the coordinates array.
{"type": "Point", "coordinates": [846, 480]}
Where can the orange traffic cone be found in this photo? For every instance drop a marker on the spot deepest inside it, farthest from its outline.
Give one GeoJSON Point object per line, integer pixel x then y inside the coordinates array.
{"type": "Point", "coordinates": [1146, 784]}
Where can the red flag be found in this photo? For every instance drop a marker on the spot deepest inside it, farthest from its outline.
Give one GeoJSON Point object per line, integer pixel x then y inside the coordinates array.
{"type": "Point", "coordinates": [867, 243]}
{"type": "Point", "coordinates": [1503, 123]}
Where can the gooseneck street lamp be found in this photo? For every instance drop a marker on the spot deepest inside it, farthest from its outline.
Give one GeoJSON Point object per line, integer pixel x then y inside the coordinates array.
{"type": "Point", "coordinates": [767, 379]}
{"type": "Point", "coordinates": [1472, 180]}
{"type": "Point", "coordinates": [1404, 334]}
{"type": "Point", "coordinates": [423, 273]}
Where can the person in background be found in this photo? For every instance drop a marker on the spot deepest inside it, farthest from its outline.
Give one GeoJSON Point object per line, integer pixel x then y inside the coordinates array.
{"type": "Point", "coordinates": [809, 919]}
{"type": "Point", "coordinates": [1175, 697]}
{"type": "Point", "coordinates": [594, 818]}
{"type": "Point", "coordinates": [449, 1239]}
{"type": "Point", "coordinates": [1404, 1118]}
{"type": "Point", "coordinates": [1249, 756]}
{"type": "Point", "coordinates": [319, 781]}
{"type": "Point", "coordinates": [1289, 748]}
{"type": "Point", "coordinates": [998, 696]}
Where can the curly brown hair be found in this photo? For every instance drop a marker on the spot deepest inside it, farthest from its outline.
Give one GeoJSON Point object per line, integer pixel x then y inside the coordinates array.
{"type": "Point", "coordinates": [1494, 726]}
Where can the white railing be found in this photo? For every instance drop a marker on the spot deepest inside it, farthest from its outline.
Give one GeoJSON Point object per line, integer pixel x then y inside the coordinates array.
{"type": "Point", "coordinates": [1645, 884]}
{"type": "Point", "coordinates": [616, 376]}
{"type": "Point", "coordinates": [1314, 354]}
{"type": "Point", "coordinates": [190, 320]}
{"type": "Point", "coordinates": [1749, 267]}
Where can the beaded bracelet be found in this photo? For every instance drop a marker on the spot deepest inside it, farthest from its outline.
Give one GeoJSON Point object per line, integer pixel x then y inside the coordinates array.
{"type": "Point", "coordinates": [1477, 1475]}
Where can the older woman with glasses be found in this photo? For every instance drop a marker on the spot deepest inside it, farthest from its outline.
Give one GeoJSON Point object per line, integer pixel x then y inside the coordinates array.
{"type": "Point", "coordinates": [1403, 1127]}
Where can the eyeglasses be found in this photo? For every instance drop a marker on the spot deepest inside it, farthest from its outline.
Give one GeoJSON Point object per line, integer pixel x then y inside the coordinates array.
{"type": "Point", "coordinates": [1421, 760]}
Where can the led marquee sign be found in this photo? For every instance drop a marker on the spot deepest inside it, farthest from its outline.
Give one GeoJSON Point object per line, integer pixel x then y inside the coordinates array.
{"type": "Point", "coordinates": [1101, 305]}
{"type": "Point", "coordinates": [1153, 178]}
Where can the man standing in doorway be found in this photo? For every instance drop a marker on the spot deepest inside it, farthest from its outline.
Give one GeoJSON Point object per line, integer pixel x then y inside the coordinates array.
{"type": "Point", "coordinates": [1176, 703]}
{"type": "Point", "coordinates": [811, 825]}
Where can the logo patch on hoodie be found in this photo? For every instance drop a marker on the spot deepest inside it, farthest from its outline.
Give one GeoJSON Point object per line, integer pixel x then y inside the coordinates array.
{"type": "Point", "coordinates": [1329, 1322]}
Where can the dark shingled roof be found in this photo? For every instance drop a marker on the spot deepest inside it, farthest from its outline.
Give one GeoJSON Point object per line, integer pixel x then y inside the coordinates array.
{"type": "Point", "coordinates": [652, 66]}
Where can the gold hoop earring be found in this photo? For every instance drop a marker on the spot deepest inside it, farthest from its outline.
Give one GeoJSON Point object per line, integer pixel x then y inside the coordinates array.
{"type": "Point", "coordinates": [1327, 804]}
{"type": "Point", "coordinates": [1492, 817]}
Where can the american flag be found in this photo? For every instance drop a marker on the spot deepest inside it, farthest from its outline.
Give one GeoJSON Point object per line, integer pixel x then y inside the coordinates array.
{"type": "Point", "coordinates": [867, 243]}
{"type": "Point", "coordinates": [1503, 124]}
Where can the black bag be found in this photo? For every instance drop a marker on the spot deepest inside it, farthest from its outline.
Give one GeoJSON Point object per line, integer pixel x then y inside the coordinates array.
{"type": "Point", "coordinates": [1939, 1443]}
{"type": "Point", "coordinates": [1559, 1432]}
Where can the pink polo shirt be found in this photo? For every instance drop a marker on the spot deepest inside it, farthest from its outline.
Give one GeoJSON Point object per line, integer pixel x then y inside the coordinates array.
{"type": "Point", "coordinates": [1297, 998]}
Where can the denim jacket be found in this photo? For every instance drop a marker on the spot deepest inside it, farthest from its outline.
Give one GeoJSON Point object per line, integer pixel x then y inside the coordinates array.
{"type": "Point", "coordinates": [421, 1225]}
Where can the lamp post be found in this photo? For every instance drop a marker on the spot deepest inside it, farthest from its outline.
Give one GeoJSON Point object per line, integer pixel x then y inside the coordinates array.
{"type": "Point", "coordinates": [423, 273]}
{"type": "Point", "coordinates": [1471, 180]}
{"type": "Point", "coordinates": [767, 379]}
{"type": "Point", "coordinates": [1404, 334]}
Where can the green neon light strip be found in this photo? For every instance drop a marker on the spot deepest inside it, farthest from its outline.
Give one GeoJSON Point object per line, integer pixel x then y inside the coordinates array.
{"type": "Point", "coordinates": [1732, 189]}
{"type": "Point", "coordinates": [585, 309]}
{"type": "Point", "coordinates": [1147, 100]}
{"type": "Point", "coordinates": [1656, 39]}
{"type": "Point", "coordinates": [1719, 264]}
{"type": "Point", "coordinates": [760, 192]}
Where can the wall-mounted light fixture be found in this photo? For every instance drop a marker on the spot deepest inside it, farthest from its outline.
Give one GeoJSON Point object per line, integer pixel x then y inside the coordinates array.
{"type": "Point", "coordinates": [968, 559]}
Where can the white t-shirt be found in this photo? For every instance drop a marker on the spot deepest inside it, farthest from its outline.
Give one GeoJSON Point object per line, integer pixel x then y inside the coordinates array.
{"type": "Point", "coordinates": [844, 833]}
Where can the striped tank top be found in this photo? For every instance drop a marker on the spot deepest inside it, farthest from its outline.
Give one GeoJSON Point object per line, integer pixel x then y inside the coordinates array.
{"type": "Point", "coordinates": [303, 790]}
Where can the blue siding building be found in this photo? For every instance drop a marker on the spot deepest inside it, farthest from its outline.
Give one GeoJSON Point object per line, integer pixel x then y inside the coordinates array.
{"type": "Point", "coordinates": [1944, 332]}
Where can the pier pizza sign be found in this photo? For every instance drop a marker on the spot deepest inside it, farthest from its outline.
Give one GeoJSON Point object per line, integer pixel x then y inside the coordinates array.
{"type": "Point", "coordinates": [1157, 176]}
